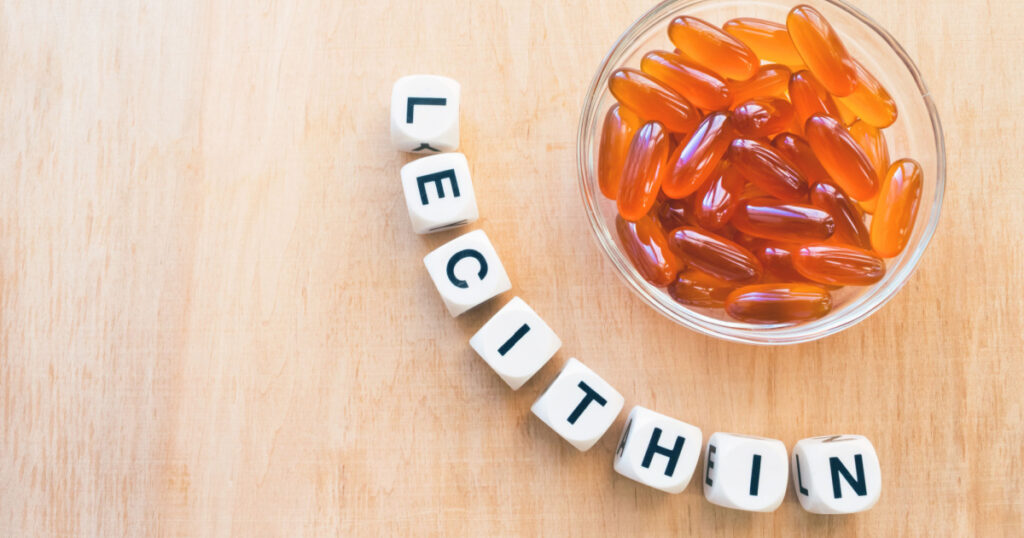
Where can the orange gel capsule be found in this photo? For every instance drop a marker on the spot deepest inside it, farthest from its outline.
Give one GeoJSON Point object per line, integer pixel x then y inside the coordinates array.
{"type": "Point", "coordinates": [772, 219]}
{"type": "Point", "coordinates": [842, 158]}
{"type": "Point", "coordinates": [821, 49]}
{"type": "Point", "coordinates": [810, 97]}
{"type": "Point", "coordinates": [713, 48]}
{"type": "Point", "coordinates": [848, 116]}
{"type": "Point", "coordinates": [672, 214]}
{"type": "Point", "coordinates": [769, 81]}
{"type": "Point", "coordinates": [798, 152]}
{"type": "Point", "coordinates": [777, 259]}
{"type": "Point", "coordinates": [700, 86]}
{"type": "Point", "coordinates": [869, 100]}
{"type": "Point", "coordinates": [751, 191]}
{"type": "Point", "coordinates": [898, 201]}
{"type": "Point", "coordinates": [653, 100]}
{"type": "Point", "coordinates": [694, 160]}
{"type": "Point", "coordinates": [761, 117]}
{"type": "Point", "coordinates": [872, 141]}
{"type": "Point", "coordinates": [760, 164]}
{"type": "Point", "coordinates": [643, 171]}
{"type": "Point", "coordinates": [715, 255]}
{"type": "Point", "coordinates": [769, 40]}
{"type": "Point", "coordinates": [850, 227]}
{"type": "Point", "coordinates": [646, 246]}
{"type": "Point", "coordinates": [717, 200]}
{"type": "Point", "coordinates": [839, 265]}
{"type": "Point", "coordinates": [619, 126]}
{"type": "Point", "coordinates": [696, 288]}
{"type": "Point", "coordinates": [778, 303]}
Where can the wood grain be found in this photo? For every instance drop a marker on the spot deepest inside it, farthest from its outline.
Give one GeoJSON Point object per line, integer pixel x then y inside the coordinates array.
{"type": "Point", "coordinates": [215, 321]}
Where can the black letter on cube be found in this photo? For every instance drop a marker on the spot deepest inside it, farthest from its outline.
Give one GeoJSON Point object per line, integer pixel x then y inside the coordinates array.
{"type": "Point", "coordinates": [755, 474]}
{"type": "Point", "coordinates": [672, 454]}
{"type": "Point", "coordinates": [426, 101]}
{"type": "Point", "coordinates": [589, 396]}
{"type": "Point", "coordinates": [467, 253]}
{"type": "Point", "coordinates": [436, 178]}
{"type": "Point", "coordinates": [711, 465]}
{"type": "Point", "coordinates": [859, 486]}
{"type": "Point", "coordinates": [516, 337]}
{"type": "Point", "coordinates": [800, 477]}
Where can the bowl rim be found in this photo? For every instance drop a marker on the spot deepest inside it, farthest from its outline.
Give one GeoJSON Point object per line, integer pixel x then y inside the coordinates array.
{"type": "Point", "coordinates": [781, 334]}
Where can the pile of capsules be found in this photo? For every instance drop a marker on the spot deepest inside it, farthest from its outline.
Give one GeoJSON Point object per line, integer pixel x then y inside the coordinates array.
{"type": "Point", "coordinates": [750, 170]}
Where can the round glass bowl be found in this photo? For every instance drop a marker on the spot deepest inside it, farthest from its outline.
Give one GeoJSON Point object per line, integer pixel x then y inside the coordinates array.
{"type": "Point", "coordinates": [916, 134]}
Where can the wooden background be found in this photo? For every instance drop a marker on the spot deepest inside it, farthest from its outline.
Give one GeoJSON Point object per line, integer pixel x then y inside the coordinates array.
{"type": "Point", "coordinates": [214, 319]}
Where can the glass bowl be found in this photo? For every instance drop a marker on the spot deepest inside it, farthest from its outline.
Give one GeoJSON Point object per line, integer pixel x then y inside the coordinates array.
{"type": "Point", "coordinates": [916, 134]}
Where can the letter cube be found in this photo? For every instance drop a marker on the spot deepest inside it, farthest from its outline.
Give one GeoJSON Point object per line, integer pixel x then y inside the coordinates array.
{"type": "Point", "coordinates": [657, 450]}
{"type": "Point", "coordinates": [836, 474]}
{"type": "Point", "coordinates": [515, 342]}
{"type": "Point", "coordinates": [425, 114]}
{"type": "Point", "coordinates": [579, 405]}
{"type": "Point", "coordinates": [745, 472]}
{"type": "Point", "coordinates": [467, 272]}
{"type": "Point", "coordinates": [439, 192]}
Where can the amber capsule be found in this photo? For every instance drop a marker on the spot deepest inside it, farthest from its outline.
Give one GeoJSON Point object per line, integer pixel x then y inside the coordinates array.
{"type": "Point", "coordinates": [713, 48]}
{"type": "Point", "coordinates": [777, 259]}
{"type": "Point", "coordinates": [647, 247]}
{"type": "Point", "coordinates": [672, 214]}
{"type": "Point", "coordinates": [773, 219]}
{"type": "Point", "coordinates": [762, 116]}
{"type": "Point", "coordinates": [653, 100]}
{"type": "Point", "coordinates": [869, 100]}
{"type": "Point", "coordinates": [769, 40]}
{"type": "Point", "coordinates": [700, 86]}
{"type": "Point", "coordinates": [694, 160]}
{"type": "Point", "coordinates": [760, 164]}
{"type": "Point", "coordinates": [821, 49]}
{"type": "Point", "coordinates": [839, 265]}
{"type": "Point", "coordinates": [810, 97]}
{"type": "Point", "coordinates": [619, 126]}
{"type": "Point", "coordinates": [716, 201]}
{"type": "Point", "coordinates": [898, 201]}
{"type": "Point", "coordinates": [715, 255]}
{"type": "Point", "coordinates": [848, 116]}
{"type": "Point", "coordinates": [798, 152]}
{"type": "Point", "coordinates": [850, 227]}
{"type": "Point", "coordinates": [697, 288]}
{"type": "Point", "coordinates": [842, 158]}
{"type": "Point", "coordinates": [770, 81]}
{"type": "Point", "coordinates": [778, 303]}
{"type": "Point", "coordinates": [872, 141]}
{"type": "Point", "coordinates": [644, 170]}
{"type": "Point", "coordinates": [751, 191]}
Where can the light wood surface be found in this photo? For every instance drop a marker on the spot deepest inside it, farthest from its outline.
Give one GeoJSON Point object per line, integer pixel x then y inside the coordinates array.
{"type": "Point", "coordinates": [215, 319]}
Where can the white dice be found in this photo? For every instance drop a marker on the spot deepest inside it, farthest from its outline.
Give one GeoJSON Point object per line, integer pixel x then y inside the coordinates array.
{"type": "Point", "coordinates": [836, 474]}
{"type": "Point", "coordinates": [515, 342]}
{"type": "Point", "coordinates": [425, 114]}
{"type": "Point", "coordinates": [579, 405]}
{"type": "Point", "coordinates": [439, 192]}
{"type": "Point", "coordinates": [745, 472]}
{"type": "Point", "coordinates": [657, 450]}
{"type": "Point", "coordinates": [467, 272]}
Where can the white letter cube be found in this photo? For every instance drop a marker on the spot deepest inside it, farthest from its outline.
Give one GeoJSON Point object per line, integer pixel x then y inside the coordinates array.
{"type": "Point", "coordinates": [745, 472]}
{"type": "Point", "coordinates": [579, 405]}
{"type": "Point", "coordinates": [467, 272]}
{"type": "Point", "coordinates": [439, 192]}
{"type": "Point", "coordinates": [515, 342]}
{"type": "Point", "coordinates": [657, 450]}
{"type": "Point", "coordinates": [836, 474]}
{"type": "Point", "coordinates": [425, 114]}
